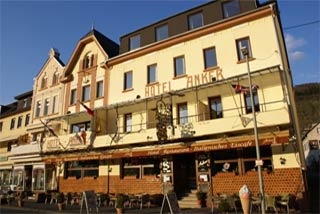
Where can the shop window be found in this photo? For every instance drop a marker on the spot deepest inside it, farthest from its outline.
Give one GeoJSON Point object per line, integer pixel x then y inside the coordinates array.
{"type": "Point", "coordinates": [241, 44]}
{"type": "Point", "coordinates": [51, 179]}
{"type": "Point", "coordinates": [81, 169]}
{"type": "Point", "coordinates": [179, 66]}
{"type": "Point", "coordinates": [134, 42]}
{"type": "Point", "coordinates": [161, 32]}
{"type": "Point", "coordinates": [215, 107]}
{"type": "Point", "coordinates": [152, 73]}
{"type": "Point", "coordinates": [248, 104]}
{"type": "Point", "coordinates": [230, 8]}
{"type": "Point", "coordinates": [195, 21]}
{"type": "Point", "coordinates": [18, 178]}
{"type": "Point", "coordinates": [38, 179]}
{"type": "Point", "coordinates": [127, 80]}
{"type": "Point", "coordinates": [140, 167]}
{"type": "Point", "coordinates": [210, 57]}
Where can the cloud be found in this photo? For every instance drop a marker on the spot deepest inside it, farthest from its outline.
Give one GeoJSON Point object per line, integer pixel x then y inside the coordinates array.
{"type": "Point", "coordinates": [293, 44]}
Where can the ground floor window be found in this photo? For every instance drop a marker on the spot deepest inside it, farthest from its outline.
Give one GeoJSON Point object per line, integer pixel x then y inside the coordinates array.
{"type": "Point", "coordinates": [38, 178]}
{"type": "Point", "coordinates": [240, 160]}
{"type": "Point", "coordinates": [5, 176]}
{"type": "Point", "coordinates": [140, 167]}
{"type": "Point", "coordinates": [81, 169]}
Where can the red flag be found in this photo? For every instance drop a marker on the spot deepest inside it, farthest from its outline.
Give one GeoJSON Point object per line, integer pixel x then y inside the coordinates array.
{"type": "Point", "coordinates": [242, 89]}
{"type": "Point", "coordinates": [89, 111]}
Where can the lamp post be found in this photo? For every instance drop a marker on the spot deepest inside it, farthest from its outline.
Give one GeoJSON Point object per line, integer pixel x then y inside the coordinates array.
{"type": "Point", "coordinates": [245, 53]}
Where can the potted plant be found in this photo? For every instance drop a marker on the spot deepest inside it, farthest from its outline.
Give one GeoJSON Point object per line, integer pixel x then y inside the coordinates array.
{"type": "Point", "coordinates": [19, 197]}
{"type": "Point", "coordinates": [60, 200]}
{"type": "Point", "coordinates": [202, 197]}
{"type": "Point", "coordinates": [121, 199]}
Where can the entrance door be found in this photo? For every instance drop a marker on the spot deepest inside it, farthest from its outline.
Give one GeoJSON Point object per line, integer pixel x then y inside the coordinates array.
{"type": "Point", "coordinates": [184, 173]}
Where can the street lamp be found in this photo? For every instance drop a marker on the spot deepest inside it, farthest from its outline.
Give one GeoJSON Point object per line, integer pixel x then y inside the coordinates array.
{"type": "Point", "coordinates": [245, 52]}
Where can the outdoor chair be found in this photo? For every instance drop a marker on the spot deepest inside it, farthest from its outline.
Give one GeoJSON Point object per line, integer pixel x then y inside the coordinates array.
{"type": "Point", "coordinates": [270, 202]}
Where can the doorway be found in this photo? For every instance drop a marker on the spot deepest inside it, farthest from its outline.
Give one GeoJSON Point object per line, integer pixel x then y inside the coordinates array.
{"type": "Point", "coordinates": [184, 174]}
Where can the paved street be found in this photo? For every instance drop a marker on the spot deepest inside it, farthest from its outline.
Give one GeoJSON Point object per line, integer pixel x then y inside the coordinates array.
{"type": "Point", "coordinates": [33, 207]}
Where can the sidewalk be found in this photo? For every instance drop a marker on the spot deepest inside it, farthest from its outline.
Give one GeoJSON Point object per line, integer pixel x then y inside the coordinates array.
{"type": "Point", "coordinates": [31, 206]}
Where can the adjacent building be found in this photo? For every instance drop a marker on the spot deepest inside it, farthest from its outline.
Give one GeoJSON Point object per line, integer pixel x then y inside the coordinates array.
{"type": "Point", "coordinates": [14, 120]}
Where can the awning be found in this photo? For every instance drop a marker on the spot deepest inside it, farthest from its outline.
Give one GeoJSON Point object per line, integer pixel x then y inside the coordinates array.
{"type": "Point", "coordinates": [180, 148]}
{"type": "Point", "coordinates": [15, 137]}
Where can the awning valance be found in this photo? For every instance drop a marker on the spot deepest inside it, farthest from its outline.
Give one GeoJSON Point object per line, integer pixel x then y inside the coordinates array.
{"type": "Point", "coordinates": [210, 145]}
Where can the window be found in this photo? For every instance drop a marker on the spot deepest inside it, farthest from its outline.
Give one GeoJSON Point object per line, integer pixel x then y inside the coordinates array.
{"type": "Point", "coordinates": [152, 73]}
{"type": "Point", "coordinates": [38, 109]}
{"type": "Point", "coordinates": [73, 97]}
{"type": "Point", "coordinates": [128, 122]}
{"type": "Point", "coordinates": [195, 21]}
{"type": "Point", "coordinates": [13, 121]}
{"type": "Point", "coordinates": [248, 102]}
{"type": "Point", "coordinates": [1, 124]}
{"type": "Point", "coordinates": [127, 80]}
{"type": "Point", "coordinates": [55, 104]}
{"type": "Point", "coordinates": [215, 107]}
{"type": "Point", "coordinates": [88, 61]}
{"type": "Point", "coordinates": [134, 42]}
{"type": "Point", "coordinates": [19, 121]}
{"type": "Point", "coordinates": [243, 43]}
{"type": "Point", "coordinates": [86, 93]}
{"type": "Point", "coordinates": [81, 169]}
{"type": "Point", "coordinates": [44, 82]}
{"type": "Point", "coordinates": [161, 32]}
{"type": "Point", "coordinates": [140, 167]}
{"type": "Point", "coordinates": [230, 8]}
{"type": "Point", "coordinates": [210, 58]}
{"type": "Point", "coordinates": [183, 113]}
{"type": "Point", "coordinates": [179, 66]}
{"type": "Point", "coordinates": [99, 89]}
{"type": "Point", "coordinates": [26, 122]}
{"type": "Point", "coordinates": [46, 106]}
{"type": "Point", "coordinates": [25, 102]}
{"type": "Point", "coordinates": [38, 178]}
{"type": "Point", "coordinates": [55, 78]}
{"type": "Point", "coordinates": [84, 126]}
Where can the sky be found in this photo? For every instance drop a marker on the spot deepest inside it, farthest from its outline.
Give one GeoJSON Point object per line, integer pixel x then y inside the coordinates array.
{"type": "Point", "coordinates": [29, 29]}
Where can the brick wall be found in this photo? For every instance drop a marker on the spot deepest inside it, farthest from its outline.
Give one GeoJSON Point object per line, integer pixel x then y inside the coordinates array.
{"type": "Point", "coordinates": [148, 184]}
{"type": "Point", "coordinates": [275, 182]}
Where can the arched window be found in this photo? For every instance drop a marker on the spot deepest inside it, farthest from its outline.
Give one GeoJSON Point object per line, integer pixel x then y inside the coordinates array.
{"type": "Point", "coordinates": [88, 61]}
{"type": "Point", "coordinates": [44, 81]}
{"type": "Point", "coordinates": [55, 77]}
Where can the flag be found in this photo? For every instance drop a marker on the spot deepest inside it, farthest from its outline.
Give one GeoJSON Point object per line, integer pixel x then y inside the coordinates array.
{"type": "Point", "coordinates": [89, 111]}
{"type": "Point", "coordinates": [49, 129]}
{"type": "Point", "coordinates": [242, 89]}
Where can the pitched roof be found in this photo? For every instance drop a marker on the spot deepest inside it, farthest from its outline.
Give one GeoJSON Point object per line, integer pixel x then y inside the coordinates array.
{"type": "Point", "coordinates": [109, 46]}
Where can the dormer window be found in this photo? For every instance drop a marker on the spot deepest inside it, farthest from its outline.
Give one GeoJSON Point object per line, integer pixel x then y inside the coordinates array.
{"type": "Point", "coordinates": [230, 8]}
{"type": "Point", "coordinates": [134, 42]}
{"type": "Point", "coordinates": [195, 21]}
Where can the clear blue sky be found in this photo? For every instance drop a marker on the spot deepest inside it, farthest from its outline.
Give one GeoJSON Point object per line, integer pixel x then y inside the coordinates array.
{"type": "Point", "coordinates": [30, 28]}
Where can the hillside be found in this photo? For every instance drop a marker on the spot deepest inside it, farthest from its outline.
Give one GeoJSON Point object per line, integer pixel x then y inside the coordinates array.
{"type": "Point", "coordinates": [308, 104]}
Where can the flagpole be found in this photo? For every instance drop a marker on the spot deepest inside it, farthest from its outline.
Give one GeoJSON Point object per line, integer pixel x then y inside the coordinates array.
{"type": "Point", "coordinates": [259, 163]}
